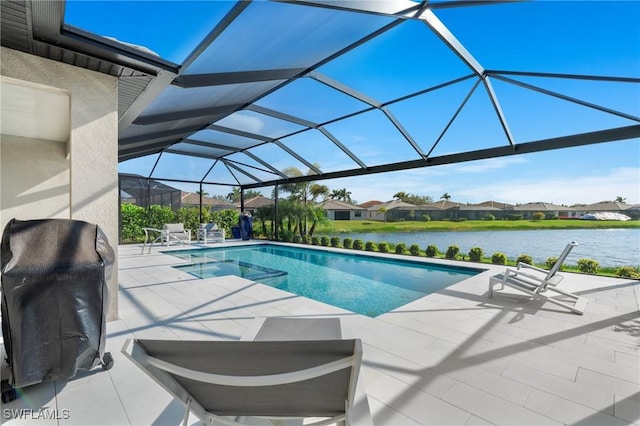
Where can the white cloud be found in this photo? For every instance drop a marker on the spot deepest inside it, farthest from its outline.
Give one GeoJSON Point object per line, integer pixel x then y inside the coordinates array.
{"type": "Point", "coordinates": [467, 187]}
{"type": "Point", "coordinates": [243, 122]}
{"type": "Point", "coordinates": [482, 166]}
{"type": "Point", "coordinates": [624, 181]}
{"type": "Point", "coordinates": [425, 181]}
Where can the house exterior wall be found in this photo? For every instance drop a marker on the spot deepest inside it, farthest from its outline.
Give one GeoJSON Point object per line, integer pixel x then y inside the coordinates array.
{"type": "Point", "coordinates": [35, 179]}
{"type": "Point", "coordinates": [353, 214]}
{"type": "Point", "coordinates": [75, 180]}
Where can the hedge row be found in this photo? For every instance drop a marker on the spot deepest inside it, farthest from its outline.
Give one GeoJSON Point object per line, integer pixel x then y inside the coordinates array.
{"type": "Point", "coordinates": [134, 218]}
{"type": "Point", "coordinates": [475, 254]}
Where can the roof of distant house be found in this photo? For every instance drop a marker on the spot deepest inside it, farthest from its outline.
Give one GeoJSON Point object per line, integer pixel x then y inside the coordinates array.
{"type": "Point", "coordinates": [192, 199]}
{"type": "Point", "coordinates": [540, 206]}
{"type": "Point", "coordinates": [330, 204]}
{"type": "Point", "coordinates": [497, 204]}
{"type": "Point", "coordinates": [371, 203]}
{"type": "Point", "coordinates": [256, 202]}
{"type": "Point", "coordinates": [394, 204]}
{"type": "Point", "coordinates": [609, 206]}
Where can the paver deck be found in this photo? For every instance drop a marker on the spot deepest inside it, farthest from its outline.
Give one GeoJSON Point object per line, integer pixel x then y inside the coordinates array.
{"type": "Point", "coordinates": [455, 357]}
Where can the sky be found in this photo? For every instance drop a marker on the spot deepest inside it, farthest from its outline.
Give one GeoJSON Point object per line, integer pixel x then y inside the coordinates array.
{"type": "Point", "coordinates": [573, 37]}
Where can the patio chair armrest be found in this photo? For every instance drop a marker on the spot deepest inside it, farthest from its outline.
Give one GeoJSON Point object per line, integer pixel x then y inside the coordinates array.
{"type": "Point", "coordinates": [510, 272]}
{"type": "Point", "coordinates": [535, 268]}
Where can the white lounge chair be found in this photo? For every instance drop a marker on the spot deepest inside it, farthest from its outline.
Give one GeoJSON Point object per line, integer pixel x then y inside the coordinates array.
{"type": "Point", "coordinates": [175, 232]}
{"type": "Point", "coordinates": [536, 281]}
{"type": "Point", "coordinates": [210, 233]}
{"type": "Point", "coordinates": [235, 381]}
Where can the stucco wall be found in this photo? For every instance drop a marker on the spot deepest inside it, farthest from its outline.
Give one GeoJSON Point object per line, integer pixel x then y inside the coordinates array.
{"type": "Point", "coordinates": [35, 179]}
{"type": "Point", "coordinates": [39, 180]}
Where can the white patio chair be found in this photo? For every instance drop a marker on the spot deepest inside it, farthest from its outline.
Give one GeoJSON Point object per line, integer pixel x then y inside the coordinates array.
{"type": "Point", "coordinates": [536, 281]}
{"type": "Point", "coordinates": [236, 381]}
{"type": "Point", "coordinates": [175, 232]}
{"type": "Point", "coordinates": [210, 233]}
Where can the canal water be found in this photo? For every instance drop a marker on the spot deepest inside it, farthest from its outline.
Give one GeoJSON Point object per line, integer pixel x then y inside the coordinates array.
{"type": "Point", "coordinates": [610, 247]}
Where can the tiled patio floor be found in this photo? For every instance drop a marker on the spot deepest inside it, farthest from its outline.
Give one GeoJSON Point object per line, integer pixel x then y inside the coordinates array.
{"type": "Point", "coordinates": [455, 357]}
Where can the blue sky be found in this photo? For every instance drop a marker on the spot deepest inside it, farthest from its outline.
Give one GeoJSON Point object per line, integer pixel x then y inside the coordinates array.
{"type": "Point", "coordinates": [573, 37]}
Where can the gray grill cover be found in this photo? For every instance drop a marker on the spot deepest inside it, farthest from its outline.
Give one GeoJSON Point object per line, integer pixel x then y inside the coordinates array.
{"type": "Point", "coordinates": [54, 297]}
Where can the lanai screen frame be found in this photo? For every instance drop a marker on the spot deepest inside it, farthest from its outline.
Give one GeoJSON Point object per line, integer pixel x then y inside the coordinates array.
{"type": "Point", "coordinates": [140, 138]}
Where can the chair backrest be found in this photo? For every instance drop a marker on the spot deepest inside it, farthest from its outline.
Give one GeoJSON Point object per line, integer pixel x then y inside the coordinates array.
{"type": "Point", "coordinates": [561, 259]}
{"type": "Point", "coordinates": [327, 395]}
{"type": "Point", "coordinates": [174, 227]}
{"type": "Point", "coordinates": [209, 226]}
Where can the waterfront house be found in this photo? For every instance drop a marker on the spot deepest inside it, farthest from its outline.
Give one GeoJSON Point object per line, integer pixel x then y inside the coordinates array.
{"type": "Point", "coordinates": [550, 210]}
{"type": "Point", "coordinates": [341, 210]}
{"type": "Point", "coordinates": [393, 211]}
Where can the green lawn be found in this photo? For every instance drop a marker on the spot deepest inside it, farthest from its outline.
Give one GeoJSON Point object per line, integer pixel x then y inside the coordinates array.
{"type": "Point", "coordinates": [361, 226]}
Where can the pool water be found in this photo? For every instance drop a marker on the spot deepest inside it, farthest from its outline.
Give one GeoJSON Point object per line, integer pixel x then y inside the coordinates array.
{"type": "Point", "coordinates": [362, 284]}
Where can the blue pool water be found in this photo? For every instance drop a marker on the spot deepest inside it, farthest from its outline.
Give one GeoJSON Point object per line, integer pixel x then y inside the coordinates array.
{"type": "Point", "coordinates": [363, 284]}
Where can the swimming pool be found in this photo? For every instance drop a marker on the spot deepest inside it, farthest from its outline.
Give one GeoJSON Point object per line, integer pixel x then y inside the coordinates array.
{"type": "Point", "coordinates": [363, 284]}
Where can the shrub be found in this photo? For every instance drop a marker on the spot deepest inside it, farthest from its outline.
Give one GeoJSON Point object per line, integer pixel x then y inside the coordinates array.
{"type": "Point", "coordinates": [134, 218]}
{"type": "Point", "coordinates": [225, 219]}
{"type": "Point", "coordinates": [475, 254]}
{"type": "Point", "coordinates": [306, 239]}
{"type": "Point", "coordinates": [588, 266]}
{"type": "Point", "coordinates": [297, 239]}
{"type": "Point", "coordinates": [369, 246]}
{"type": "Point", "coordinates": [401, 248]}
{"type": "Point", "coordinates": [335, 242]}
{"type": "Point", "coordinates": [358, 244]}
{"type": "Point", "coordinates": [159, 215]}
{"type": "Point", "coordinates": [452, 252]}
{"type": "Point", "coordinates": [488, 217]}
{"type": "Point", "coordinates": [347, 243]}
{"type": "Point", "coordinates": [525, 258]}
{"type": "Point", "coordinates": [431, 250]}
{"type": "Point", "coordinates": [628, 272]}
{"type": "Point", "coordinates": [537, 216]}
{"type": "Point", "coordinates": [551, 262]}
{"type": "Point", "coordinates": [426, 217]}
{"type": "Point", "coordinates": [286, 236]}
{"type": "Point", "coordinates": [315, 241]}
{"type": "Point", "coordinates": [324, 241]}
{"type": "Point", "coordinates": [414, 250]}
{"type": "Point", "coordinates": [383, 247]}
{"type": "Point", "coordinates": [498, 258]}
{"type": "Point", "coordinates": [190, 216]}
{"type": "Point", "coordinates": [513, 216]}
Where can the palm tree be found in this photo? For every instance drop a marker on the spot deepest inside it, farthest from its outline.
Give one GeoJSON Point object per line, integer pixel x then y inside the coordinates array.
{"type": "Point", "coordinates": [264, 214]}
{"type": "Point", "coordinates": [250, 193]}
{"type": "Point", "coordinates": [621, 199]}
{"type": "Point", "coordinates": [341, 195]}
{"type": "Point", "coordinates": [318, 215]}
{"type": "Point", "coordinates": [445, 196]}
{"type": "Point", "coordinates": [317, 190]}
{"type": "Point", "coordinates": [401, 196]}
{"type": "Point", "coordinates": [302, 193]}
{"type": "Point", "coordinates": [203, 193]}
{"type": "Point", "coordinates": [234, 195]}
